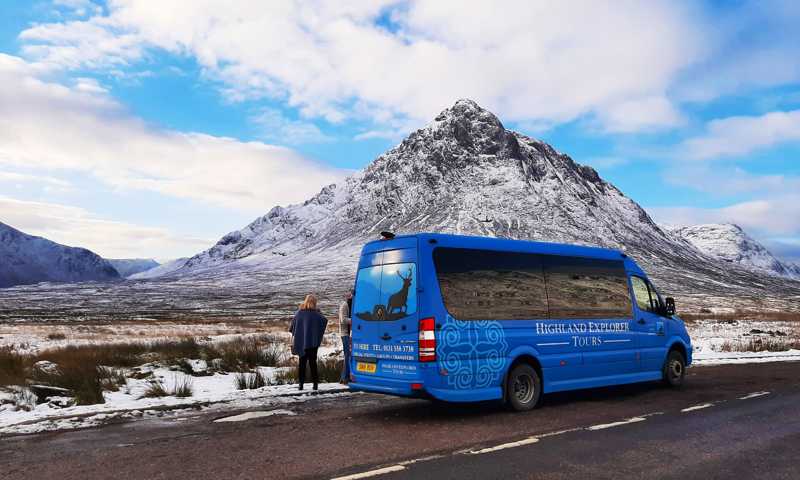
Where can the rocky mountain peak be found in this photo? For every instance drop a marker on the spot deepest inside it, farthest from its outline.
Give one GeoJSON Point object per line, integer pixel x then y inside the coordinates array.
{"type": "Point", "coordinates": [730, 243]}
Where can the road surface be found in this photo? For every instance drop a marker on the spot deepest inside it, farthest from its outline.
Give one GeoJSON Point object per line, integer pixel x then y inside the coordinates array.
{"type": "Point", "coordinates": [728, 421]}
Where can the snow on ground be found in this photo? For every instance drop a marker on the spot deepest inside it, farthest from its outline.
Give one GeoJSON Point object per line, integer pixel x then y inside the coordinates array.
{"type": "Point", "coordinates": [218, 390]}
{"type": "Point", "coordinates": [713, 341]}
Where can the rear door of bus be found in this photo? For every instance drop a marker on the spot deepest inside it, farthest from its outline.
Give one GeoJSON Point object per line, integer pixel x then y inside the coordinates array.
{"type": "Point", "coordinates": [385, 314]}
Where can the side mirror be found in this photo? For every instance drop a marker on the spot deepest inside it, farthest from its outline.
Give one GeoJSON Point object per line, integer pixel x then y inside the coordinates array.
{"type": "Point", "coordinates": [670, 307]}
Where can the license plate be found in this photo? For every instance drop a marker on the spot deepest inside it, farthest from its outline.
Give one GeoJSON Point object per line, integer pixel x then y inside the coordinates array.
{"type": "Point", "coordinates": [366, 367]}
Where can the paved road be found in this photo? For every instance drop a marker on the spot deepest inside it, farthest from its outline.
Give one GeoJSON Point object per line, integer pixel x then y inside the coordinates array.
{"type": "Point", "coordinates": [638, 431]}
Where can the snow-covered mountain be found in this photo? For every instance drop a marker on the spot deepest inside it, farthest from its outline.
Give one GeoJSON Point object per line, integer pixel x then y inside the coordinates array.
{"type": "Point", "coordinates": [131, 266]}
{"type": "Point", "coordinates": [465, 173]}
{"type": "Point", "coordinates": [25, 259]}
{"type": "Point", "coordinates": [730, 243]}
{"type": "Point", "coordinates": [160, 270]}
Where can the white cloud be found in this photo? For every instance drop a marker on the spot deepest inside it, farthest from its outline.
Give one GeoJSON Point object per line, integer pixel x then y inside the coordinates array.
{"type": "Point", "coordinates": [730, 181]}
{"type": "Point", "coordinates": [19, 178]}
{"type": "Point", "coordinates": [778, 215]}
{"type": "Point", "coordinates": [77, 227]}
{"type": "Point", "coordinates": [275, 127]}
{"type": "Point", "coordinates": [46, 125]}
{"type": "Point", "coordinates": [534, 62]}
{"type": "Point", "coordinates": [741, 135]}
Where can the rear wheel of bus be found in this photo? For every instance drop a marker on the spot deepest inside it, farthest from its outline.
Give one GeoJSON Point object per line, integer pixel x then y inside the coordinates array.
{"type": "Point", "coordinates": [523, 388]}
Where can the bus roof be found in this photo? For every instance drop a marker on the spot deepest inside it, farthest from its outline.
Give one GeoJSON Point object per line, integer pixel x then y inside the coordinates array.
{"type": "Point", "coordinates": [494, 243]}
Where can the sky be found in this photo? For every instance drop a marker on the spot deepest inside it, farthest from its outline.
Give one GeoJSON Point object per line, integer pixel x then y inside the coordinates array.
{"type": "Point", "coordinates": [150, 129]}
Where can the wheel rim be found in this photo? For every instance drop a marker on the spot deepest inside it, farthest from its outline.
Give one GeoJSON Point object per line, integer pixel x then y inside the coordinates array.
{"type": "Point", "coordinates": [523, 388]}
{"type": "Point", "coordinates": [676, 369]}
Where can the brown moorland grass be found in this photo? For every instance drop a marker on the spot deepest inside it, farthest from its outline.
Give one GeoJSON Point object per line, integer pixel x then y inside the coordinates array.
{"type": "Point", "coordinates": [742, 315]}
{"type": "Point", "coordinates": [13, 367]}
{"type": "Point", "coordinates": [87, 370]}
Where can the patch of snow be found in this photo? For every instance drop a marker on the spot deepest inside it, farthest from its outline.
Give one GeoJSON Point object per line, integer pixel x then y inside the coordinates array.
{"type": "Point", "coordinates": [251, 415]}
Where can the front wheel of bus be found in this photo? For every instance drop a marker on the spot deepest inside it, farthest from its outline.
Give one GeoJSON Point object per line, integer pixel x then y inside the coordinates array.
{"type": "Point", "coordinates": [523, 388]}
{"type": "Point", "coordinates": [674, 369]}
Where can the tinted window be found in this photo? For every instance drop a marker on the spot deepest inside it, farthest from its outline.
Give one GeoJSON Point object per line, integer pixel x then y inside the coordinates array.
{"type": "Point", "coordinates": [586, 288]}
{"type": "Point", "coordinates": [487, 285]}
{"type": "Point", "coordinates": [386, 292]}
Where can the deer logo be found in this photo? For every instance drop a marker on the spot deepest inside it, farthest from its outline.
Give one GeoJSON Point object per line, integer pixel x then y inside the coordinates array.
{"type": "Point", "coordinates": [399, 300]}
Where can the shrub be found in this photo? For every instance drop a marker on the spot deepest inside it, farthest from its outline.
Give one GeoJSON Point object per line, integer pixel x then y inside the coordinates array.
{"type": "Point", "coordinates": [249, 381]}
{"type": "Point", "coordinates": [761, 345]}
{"type": "Point", "coordinates": [184, 387]}
{"type": "Point", "coordinates": [111, 378]}
{"type": "Point", "coordinates": [246, 353]}
{"type": "Point", "coordinates": [330, 369]}
{"type": "Point", "coordinates": [13, 367]}
{"type": "Point", "coordinates": [85, 380]}
{"type": "Point", "coordinates": [285, 376]}
{"type": "Point", "coordinates": [155, 389]}
{"type": "Point", "coordinates": [56, 336]}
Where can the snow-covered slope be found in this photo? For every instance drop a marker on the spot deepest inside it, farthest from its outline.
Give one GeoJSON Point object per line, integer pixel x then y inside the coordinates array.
{"type": "Point", "coordinates": [25, 259]}
{"type": "Point", "coordinates": [160, 270]}
{"type": "Point", "coordinates": [730, 243]}
{"type": "Point", "coordinates": [130, 266]}
{"type": "Point", "coordinates": [465, 173]}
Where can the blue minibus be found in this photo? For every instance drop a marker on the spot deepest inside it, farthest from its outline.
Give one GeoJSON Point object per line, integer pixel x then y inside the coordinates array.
{"type": "Point", "coordinates": [464, 319]}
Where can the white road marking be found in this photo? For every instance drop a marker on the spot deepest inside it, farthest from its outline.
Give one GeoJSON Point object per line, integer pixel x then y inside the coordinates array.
{"type": "Point", "coordinates": [422, 459]}
{"type": "Point", "coordinates": [753, 395]}
{"type": "Point", "coordinates": [616, 424]}
{"type": "Point", "coordinates": [697, 407]}
{"type": "Point", "coordinates": [519, 443]}
{"type": "Point", "coordinates": [251, 415]}
{"type": "Point", "coordinates": [372, 473]}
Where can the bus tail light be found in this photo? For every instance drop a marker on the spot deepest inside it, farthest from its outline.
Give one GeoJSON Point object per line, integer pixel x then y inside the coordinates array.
{"type": "Point", "coordinates": [427, 340]}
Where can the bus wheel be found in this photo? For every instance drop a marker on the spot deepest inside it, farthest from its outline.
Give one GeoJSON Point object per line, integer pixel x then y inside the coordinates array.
{"type": "Point", "coordinates": [523, 388]}
{"type": "Point", "coordinates": [674, 369]}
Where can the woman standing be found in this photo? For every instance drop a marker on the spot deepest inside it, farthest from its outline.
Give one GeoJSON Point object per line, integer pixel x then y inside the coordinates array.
{"type": "Point", "coordinates": [308, 328]}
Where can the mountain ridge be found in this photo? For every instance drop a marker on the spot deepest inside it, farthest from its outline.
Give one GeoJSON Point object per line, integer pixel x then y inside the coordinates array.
{"type": "Point", "coordinates": [27, 259]}
{"type": "Point", "coordinates": [465, 173]}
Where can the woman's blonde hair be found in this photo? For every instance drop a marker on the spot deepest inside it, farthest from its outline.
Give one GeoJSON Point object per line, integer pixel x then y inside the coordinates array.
{"type": "Point", "coordinates": [310, 303]}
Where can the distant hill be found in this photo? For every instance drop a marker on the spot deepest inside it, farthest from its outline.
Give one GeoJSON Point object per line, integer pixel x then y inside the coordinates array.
{"type": "Point", "coordinates": [730, 243]}
{"type": "Point", "coordinates": [131, 266]}
{"type": "Point", "coordinates": [26, 259]}
{"type": "Point", "coordinates": [162, 270]}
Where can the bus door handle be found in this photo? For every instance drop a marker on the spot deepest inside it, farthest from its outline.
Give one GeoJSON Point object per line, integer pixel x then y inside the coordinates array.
{"type": "Point", "coordinates": [641, 321]}
{"type": "Point", "coordinates": [386, 336]}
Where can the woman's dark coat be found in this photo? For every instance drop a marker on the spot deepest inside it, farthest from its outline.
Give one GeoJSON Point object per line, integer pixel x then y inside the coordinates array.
{"type": "Point", "coordinates": [308, 327]}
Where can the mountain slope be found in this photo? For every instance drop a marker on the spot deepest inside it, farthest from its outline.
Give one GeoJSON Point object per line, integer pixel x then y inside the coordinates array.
{"type": "Point", "coordinates": [160, 270]}
{"type": "Point", "coordinates": [25, 259]}
{"type": "Point", "coordinates": [730, 243]}
{"type": "Point", "coordinates": [465, 173]}
{"type": "Point", "coordinates": [131, 266]}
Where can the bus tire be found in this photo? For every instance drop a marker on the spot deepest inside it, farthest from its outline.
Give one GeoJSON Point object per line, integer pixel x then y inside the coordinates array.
{"type": "Point", "coordinates": [523, 388]}
{"type": "Point", "coordinates": [674, 369]}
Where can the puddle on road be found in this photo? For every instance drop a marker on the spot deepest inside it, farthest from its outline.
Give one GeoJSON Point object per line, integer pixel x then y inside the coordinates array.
{"type": "Point", "coordinates": [251, 415]}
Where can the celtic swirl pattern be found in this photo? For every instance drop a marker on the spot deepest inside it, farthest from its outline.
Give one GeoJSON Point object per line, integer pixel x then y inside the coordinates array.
{"type": "Point", "coordinates": [473, 352]}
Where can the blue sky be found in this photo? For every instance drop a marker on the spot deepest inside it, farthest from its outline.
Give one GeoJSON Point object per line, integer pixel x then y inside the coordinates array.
{"type": "Point", "coordinates": [151, 129]}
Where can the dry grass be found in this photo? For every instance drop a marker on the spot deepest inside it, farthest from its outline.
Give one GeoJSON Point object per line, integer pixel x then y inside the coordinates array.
{"type": "Point", "coordinates": [88, 370]}
{"type": "Point", "coordinates": [56, 336]}
{"type": "Point", "coordinates": [329, 369]}
{"type": "Point", "coordinates": [245, 353]}
{"type": "Point", "coordinates": [155, 389]}
{"type": "Point", "coordinates": [742, 315]}
{"type": "Point", "coordinates": [759, 344]}
{"type": "Point", "coordinates": [13, 367]}
{"type": "Point", "coordinates": [250, 381]}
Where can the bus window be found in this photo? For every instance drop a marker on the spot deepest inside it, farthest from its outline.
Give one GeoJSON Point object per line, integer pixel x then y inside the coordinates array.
{"type": "Point", "coordinates": [489, 285]}
{"type": "Point", "coordinates": [586, 288]}
{"type": "Point", "coordinates": [642, 294]}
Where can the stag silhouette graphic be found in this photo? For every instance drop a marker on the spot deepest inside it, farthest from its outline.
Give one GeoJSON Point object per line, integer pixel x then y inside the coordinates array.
{"type": "Point", "coordinates": [399, 300]}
